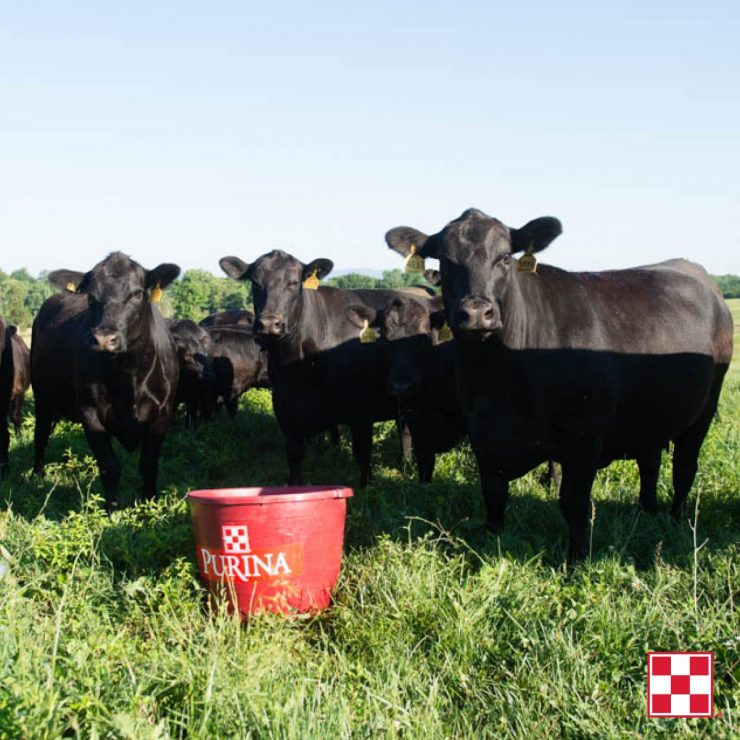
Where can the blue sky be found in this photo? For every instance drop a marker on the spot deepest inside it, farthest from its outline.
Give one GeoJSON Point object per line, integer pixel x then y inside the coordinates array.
{"type": "Point", "coordinates": [184, 131]}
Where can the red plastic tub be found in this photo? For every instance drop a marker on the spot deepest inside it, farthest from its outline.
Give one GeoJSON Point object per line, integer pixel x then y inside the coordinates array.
{"type": "Point", "coordinates": [274, 549]}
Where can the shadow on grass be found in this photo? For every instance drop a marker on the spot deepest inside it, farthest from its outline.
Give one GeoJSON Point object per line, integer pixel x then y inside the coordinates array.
{"type": "Point", "coordinates": [535, 527]}
{"type": "Point", "coordinates": [248, 450]}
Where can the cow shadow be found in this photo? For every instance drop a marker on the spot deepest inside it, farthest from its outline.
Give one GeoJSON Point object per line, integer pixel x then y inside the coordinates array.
{"type": "Point", "coordinates": [248, 450]}
{"type": "Point", "coordinates": [452, 513]}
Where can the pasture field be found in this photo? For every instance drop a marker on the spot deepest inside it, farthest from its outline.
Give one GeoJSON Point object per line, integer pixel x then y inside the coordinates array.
{"type": "Point", "coordinates": [438, 630]}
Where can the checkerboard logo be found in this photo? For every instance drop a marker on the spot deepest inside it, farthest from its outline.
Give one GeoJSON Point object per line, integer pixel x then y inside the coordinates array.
{"type": "Point", "coordinates": [236, 539]}
{"type": "Point", "coordinates": [680, 684]}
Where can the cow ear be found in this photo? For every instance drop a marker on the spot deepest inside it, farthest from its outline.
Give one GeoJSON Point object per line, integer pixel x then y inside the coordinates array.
{"type": "Point", "coordinates": [433, 277]}
{"type": "Point", "coordinates": [162, 275]}
{"type": "Point", "coordinates": [69, 280]}
{"type": "Point", "coordinates": [407, 241]}
{"type": "Point", "coordinates": [319, 268]}
{"type": "Point", "coordinates": [535, 235]}
{"type": "Point", "coordinates": [235, 268]}
{"type": "Point", "coordinates": [358, 314]}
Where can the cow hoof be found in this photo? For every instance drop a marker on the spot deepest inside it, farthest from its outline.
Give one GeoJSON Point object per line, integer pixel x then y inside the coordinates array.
{"type": "Point", "coordinates": [495, 527]}
{"type": "Point", "coordinates": [677, 514]}
{"type": "Point", "coordinates": [648, 508]}
{"type": "Point", "coordinates": [577, 555]}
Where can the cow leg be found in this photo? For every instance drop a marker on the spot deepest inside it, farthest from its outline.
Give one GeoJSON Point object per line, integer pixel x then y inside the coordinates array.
{"type": "Point", "coordinates": [149, 463]}
{"type": "Point", "coordinates": [4, 445]}
{"type": "Point", "coordinates": [495, 489]}
{"type": "Point", "coordinates": [649, 464]}
{"type": "Point", "coordinates": [425, 464]}
{"type": "Point", "coordinates": [191, 415]}
{"type": "Point", "coordinates": [550, 478]}
{"type": "Point", "coordinates": [16, 414]}
{"type": "Point", "coordinates": [334, 435]}
{"type": "Point", "coordinates": [686, 449]}
{"type": "Point", "coordinates": [362, 442]}
{"type": "Point", "coordinates": [232, 406]}
{"type": "Point", "coordinates": [41, 433]}
{"type": "Point", "coordinates": [108, 464]}
{"type": "Point", "coordinates": [295, 448]}
{"type": "Point", "coordinates": [575, 503]}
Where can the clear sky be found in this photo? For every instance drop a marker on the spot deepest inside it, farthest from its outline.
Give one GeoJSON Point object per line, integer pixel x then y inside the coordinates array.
{"type": "Point", "coordinates": [185, 131]}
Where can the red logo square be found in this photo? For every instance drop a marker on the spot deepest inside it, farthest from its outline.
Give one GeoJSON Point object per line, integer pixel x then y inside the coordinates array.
{"type": "Point", "coordinates": [680, 684]}
{"type": "Point", "coordinates": [662, 703]}
{"type": "Point", "coordinates": [661, 665]}
{"type": "Point", "coordinates": [699, 704]}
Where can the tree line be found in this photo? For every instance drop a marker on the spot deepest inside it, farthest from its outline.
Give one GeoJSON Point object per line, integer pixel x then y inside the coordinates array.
{"type": "Point", "coordinates": [198, 292]}
{"type": "Point", "coordinates": [195, 295]}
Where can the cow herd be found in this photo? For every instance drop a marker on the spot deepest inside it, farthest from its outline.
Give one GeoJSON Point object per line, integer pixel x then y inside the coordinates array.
{"type": "Point", "coordinates": [532, 363]}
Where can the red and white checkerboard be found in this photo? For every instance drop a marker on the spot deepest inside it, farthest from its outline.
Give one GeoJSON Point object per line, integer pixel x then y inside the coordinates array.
{"type": "Point", "coordinates": [235, 539]}
{"type": "Point", "coordinates": [680, 684]}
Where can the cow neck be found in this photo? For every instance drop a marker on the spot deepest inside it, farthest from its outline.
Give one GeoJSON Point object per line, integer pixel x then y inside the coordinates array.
{"type": "Point", "coordinates": [519, 307]}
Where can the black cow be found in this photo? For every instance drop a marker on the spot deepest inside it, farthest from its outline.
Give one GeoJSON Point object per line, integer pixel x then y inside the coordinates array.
{"type": "Point", "coordinates": [421, 376]}
{"type": "Point", "coordinates": [6, 383]}
{"type": "Point", "coordinates": [228, 318]}
{"type": "Point", "coordinates": [102, 355]}
{"type": "Point", "coordinates": [239, 363]}
{"type": "Point", "coordinates": [21, 366]}
{"type": "Point", "coordinates": [195, 387]}
{"type": "Point", "coordinates": [14, 382]}
{"type": "Point", "coordinates": [420, 371]}
{"type": "Point", "coordinates": [582, 368]}
{"type": "Point", "coordinates": [321, 373]}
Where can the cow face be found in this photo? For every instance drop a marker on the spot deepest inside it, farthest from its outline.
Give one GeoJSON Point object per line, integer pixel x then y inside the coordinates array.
{"type": "Point", "coordinates": [118, 291]}
{"type": "Point", "coordinates": [474, 253]}
{"type": "Point", "coordinates": [277, 288]}
{"type": "Point", "coordinates": [193, 344]}
{"type": "Point", "coordinates": [409, 329]}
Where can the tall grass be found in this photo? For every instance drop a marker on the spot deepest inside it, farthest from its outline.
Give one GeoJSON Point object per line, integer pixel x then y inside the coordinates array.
{"type": "Point", "coordinates": [438, 628]}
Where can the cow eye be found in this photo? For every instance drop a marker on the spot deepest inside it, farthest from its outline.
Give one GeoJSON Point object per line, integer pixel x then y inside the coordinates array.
{"type": "Point", "coordinates": [137, 295]}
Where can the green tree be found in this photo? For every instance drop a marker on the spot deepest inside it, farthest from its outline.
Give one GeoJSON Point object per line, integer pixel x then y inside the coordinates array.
{"type": "Point", "coordinates": [12, 303]}
{"type": "Point", "coordinates": [353, 281]}
{"type": "Point", "coordinates": [729, 285]}
{"type": "Point", "coordinates": [190, 295]}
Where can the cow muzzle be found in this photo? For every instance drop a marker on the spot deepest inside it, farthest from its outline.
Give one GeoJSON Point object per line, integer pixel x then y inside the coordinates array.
{"type": "Point", "coordinates": [109, 341]}
{"type": "Point", "coordinates": [477, 316]}
{"type": "Point", "coordinates": [402, 389]}
{"type": "Point", "coordinates": [269, 325]}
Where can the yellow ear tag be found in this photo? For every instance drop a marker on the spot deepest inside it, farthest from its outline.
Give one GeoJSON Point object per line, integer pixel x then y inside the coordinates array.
{"type": "Point", "coordinates": [71, 288]}
{"type": "Point", "coordinates": [311, 282]}
{"type": "Point", "coordinates": [155, 295]}
{"type": "Point", "coordinates": [527, 262]}
{"type": "Point", "coordinates": [445, 333]}
{"type": "Point", "coordinates": [367, 335]}
{"type": "Point", "coordinates": [414, 262]}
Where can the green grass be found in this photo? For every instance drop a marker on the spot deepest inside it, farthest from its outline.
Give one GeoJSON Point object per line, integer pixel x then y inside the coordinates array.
{"type": "Point", "coordinates": [438, 628]}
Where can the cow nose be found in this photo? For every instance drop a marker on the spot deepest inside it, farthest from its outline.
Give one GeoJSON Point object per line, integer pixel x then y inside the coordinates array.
{"type": "Point", "coordinates": [270, 324]}
{"type": "Point", "coordinates": [477, 314]}
{"type": "Point", "coordinates": [401, 389]}
{"type": "Point", "coordinates": [108, 341]}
